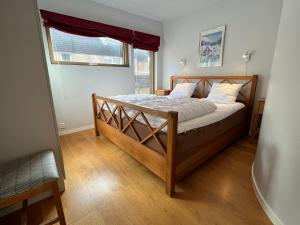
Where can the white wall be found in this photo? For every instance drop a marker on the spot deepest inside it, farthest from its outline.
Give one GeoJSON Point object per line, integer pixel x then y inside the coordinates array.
{"type": "Point", "coordinates": [251, 25]}
{"type": "Point", "coordinates": [277, 167]}
{"type": "Point", "coordinates": [27, 122]}
{"type": "Point", "coordinates": [72, 85]}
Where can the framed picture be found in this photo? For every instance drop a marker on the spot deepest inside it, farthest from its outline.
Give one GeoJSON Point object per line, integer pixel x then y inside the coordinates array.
{"type": "Point", "coordinates": [211, 47]}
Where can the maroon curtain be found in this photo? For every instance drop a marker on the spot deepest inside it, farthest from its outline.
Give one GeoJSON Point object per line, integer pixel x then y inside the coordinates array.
{"type": "Point", "coordinates": [89, 28]}
{"type": "Point", "coordinates": [146, 41]}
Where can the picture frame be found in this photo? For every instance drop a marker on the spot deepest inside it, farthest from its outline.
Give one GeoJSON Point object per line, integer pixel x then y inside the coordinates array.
{"type": "Point", "coordinates": [211, 46]}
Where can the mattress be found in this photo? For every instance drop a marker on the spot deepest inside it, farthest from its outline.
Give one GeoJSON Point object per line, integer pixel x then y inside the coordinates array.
{"type": "Point", "coordinates": [194, 138]}
{"type": "Point", "coordinates": [187, 108]}
{"type": "Point", "coordinates": [153, 101]}
{"type": "Point", "coordinates": [199, 131]}
{"type": "Point", "coordinates": [222, 111]}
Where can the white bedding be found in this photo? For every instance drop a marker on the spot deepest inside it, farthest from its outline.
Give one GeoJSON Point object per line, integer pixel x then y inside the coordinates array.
{"type": "Point", "coordinates": [193, 119]}
{"type": "Point", "coordinates": [222, 111]}
{"type": "Point", "coordinates": [134, 98]}
{"type": "Point", "coordinates": [187, 108]}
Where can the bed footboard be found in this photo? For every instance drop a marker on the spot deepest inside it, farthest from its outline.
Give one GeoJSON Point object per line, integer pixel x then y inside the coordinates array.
{"type": "Point", "coordinates": [112, 119]}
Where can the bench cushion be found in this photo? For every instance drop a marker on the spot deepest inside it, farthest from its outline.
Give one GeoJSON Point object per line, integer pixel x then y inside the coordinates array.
{"type": "Point", "coordinates": [26, 173]}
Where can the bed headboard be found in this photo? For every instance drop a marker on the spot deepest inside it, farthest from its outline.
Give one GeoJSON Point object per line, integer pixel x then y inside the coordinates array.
{"type": "Point", "coordinates": [246, 95]}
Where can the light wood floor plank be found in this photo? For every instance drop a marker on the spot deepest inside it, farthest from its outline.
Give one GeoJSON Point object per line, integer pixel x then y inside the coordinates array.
{"type": "Point", "coordinates": [104, 186]}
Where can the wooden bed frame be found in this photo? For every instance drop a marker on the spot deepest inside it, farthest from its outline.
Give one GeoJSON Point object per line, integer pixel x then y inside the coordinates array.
{"type": "Point", "coordinates": [110, 123]}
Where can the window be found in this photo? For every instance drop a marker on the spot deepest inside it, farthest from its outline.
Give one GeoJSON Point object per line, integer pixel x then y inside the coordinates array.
{"type": "Point", "coordinates": [143, 71]}
{"type": "Point", "coordinates": [68, 48]}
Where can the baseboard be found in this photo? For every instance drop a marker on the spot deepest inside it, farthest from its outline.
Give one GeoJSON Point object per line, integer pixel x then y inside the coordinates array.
{"type": "Point", "coordinates": [64, 132]}
{"type": "Point", "coordinates": [269, 212]}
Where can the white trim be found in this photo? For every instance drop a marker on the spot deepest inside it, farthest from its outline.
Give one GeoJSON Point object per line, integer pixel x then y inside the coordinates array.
{"type": "Point", "coordinates": [64, 132]}
{"type": "Point", "coordinates": [269, 212]}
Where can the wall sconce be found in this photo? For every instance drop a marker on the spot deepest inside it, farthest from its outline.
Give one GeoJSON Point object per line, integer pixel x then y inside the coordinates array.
{"type": "Point", "coordinates": [246, 56]}
{"type": "Point", "coordinates": [182, 61]}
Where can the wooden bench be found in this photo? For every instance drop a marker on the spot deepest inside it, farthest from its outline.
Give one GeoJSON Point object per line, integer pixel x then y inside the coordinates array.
{"type": "Point", "coordinates": [26, 177]}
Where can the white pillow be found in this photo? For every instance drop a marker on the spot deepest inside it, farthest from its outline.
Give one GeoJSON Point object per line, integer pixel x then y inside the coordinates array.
{"type": "Point", "coordinates": [224, 93]}
{"type": "Point", "coordinates": [183, 90]}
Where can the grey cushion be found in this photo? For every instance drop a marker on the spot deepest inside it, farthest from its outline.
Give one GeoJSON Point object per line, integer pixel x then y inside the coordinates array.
{"type": "Point", "coordinates": [26, 173]}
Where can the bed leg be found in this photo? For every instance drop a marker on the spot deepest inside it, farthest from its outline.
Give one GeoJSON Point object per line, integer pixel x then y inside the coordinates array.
{"type": "Point", "coordinates": [171, 154]}
{"type": "Point", "coordinates": [95, 113]}
{"type": "Point", "coordinates": [170, 187]}
{"type": "Point", "coordinates": [97, 132]}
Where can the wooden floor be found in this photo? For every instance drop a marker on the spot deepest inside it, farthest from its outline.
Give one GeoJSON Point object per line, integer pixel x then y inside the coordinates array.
{"type": "Point", "coordinates": [106, 186]}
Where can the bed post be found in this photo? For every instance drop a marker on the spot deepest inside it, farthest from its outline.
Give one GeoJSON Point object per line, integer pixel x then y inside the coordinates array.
{"type": "Point", "coordinates": [171, 83]}
{"type": "Point", "coordinates": [95, 113]}
{"type": "Point", "coordinates": [251, 101]}
{"type": "Point", "coordinates": [171, 153]}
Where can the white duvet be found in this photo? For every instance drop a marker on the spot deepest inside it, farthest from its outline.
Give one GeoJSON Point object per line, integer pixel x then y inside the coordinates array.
{"type": "Point", "coordinates": [222, 111]}
{"type": "Point", "coordinates": [134, 98]}
{"type": "Point", "coordinates": [187, 108]}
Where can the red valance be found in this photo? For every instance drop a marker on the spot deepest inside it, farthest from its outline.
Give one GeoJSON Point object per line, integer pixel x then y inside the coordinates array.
{"type": "Point", "coordinates": [89, 28]}
{"type": "Point", "coordinates": [146, 41]}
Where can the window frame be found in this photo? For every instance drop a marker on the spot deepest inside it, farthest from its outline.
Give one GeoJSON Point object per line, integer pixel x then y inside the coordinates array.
{"type": "Point", "coordinates": [151, 69]}
{"type": "Point", "coordinates": [53, 61]}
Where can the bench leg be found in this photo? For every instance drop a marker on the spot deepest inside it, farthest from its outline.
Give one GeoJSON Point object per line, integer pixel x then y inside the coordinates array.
{"type": "Point", "coordinates": [59, 208]}
{"type": "Point", "coordinates": [24, 220]}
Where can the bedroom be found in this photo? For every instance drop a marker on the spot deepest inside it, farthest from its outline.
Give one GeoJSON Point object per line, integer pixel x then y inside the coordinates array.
{"type": "Point", "coordinates": [154, 47]}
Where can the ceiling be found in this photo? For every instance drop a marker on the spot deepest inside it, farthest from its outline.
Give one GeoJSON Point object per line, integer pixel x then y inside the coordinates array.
{"type": "Point", "coordinates": [159, 10]}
